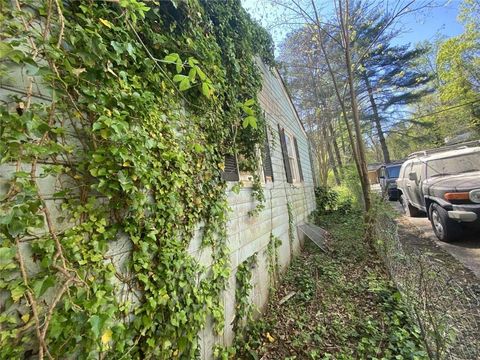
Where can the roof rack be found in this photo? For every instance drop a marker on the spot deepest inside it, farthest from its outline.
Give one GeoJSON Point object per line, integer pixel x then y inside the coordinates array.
{"type": "Point", "coordinates": [459, 146]}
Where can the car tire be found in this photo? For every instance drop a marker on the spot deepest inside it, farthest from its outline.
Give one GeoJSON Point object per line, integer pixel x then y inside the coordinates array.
{"type": "Point", "coordinates": [446, 229]}
{"type": "Point", "coordinates": [409, 210]}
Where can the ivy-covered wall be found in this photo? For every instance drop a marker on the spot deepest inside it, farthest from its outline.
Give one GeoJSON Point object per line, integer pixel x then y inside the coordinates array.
{"type": "Point", "coordinates": [115, 120]}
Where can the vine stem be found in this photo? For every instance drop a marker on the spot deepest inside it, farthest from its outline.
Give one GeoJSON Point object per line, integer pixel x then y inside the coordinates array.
{"type": "Point", "coordinates": [31, 300]}
{"type": "Point", "coordinates": [52, 306]}
{"type": "Point", "coordinates": [25, 25]}
{"type": "Point", "coordinates": [62, 23]}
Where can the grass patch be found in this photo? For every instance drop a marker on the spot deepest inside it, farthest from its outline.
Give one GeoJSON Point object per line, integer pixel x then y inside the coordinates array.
{"type": "Point", "coordinates": [344, 306]}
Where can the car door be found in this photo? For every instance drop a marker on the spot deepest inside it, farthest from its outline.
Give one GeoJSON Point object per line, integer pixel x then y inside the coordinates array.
{"type": "Point", "coordinates": [414, 186]}
{"type": "Point", "coordinates": [382, 178]}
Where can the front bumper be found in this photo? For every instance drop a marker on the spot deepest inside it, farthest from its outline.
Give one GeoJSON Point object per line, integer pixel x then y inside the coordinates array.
{"type": "Point", "coordinates": [465, 213]}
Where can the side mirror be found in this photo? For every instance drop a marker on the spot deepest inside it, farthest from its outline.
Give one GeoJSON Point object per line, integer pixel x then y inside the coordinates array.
{"type": "Point", "coordinates": [412, 176]}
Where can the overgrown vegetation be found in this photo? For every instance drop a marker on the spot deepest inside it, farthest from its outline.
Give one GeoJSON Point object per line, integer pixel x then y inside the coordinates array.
{"type": "Point", "coordinates": [139, 106]}
{"type": "Point", "coordinates": [344, 305]}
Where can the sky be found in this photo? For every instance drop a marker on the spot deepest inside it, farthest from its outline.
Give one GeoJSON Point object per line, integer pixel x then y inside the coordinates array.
{"type": "Point", "coordinates": [414, 28]}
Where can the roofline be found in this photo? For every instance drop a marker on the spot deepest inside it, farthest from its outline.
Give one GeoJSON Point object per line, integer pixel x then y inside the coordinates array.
{"type": "Point", "coordinates": [290, 100]}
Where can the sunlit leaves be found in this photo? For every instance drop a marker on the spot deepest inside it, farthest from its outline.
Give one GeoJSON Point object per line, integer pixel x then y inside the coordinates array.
{"type": "Point", "coordinates": [135, 138]}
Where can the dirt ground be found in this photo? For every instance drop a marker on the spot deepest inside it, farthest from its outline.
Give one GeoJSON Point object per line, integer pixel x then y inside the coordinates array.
{"type": "Point", "coordinates": [466, 250]}
{"type": "Point", "coordinates": [336, 305]}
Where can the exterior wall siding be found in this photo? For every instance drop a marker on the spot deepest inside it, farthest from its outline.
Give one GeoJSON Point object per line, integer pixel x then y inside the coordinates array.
{"type": "Point", "coordinates": [246, 235]}
{"type": "Point", "coordinates": [249, 235]}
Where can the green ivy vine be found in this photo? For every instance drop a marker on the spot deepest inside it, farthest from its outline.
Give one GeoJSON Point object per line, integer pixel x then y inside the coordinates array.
{"type": "Point", "coordinates": [144, 103]}
{"type": "Point", "coordinates": [243, 280]}
{"type": "Point", "coordinates": [273, 266]}
{"type": "Point", "coordinates": [291, 226]}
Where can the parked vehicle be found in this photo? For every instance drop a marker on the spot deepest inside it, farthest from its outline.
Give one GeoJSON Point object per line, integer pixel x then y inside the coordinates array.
{"type": "Point", "coordinates": [388, 176]}
{"type": "Point", "coordinates": [444, 184]}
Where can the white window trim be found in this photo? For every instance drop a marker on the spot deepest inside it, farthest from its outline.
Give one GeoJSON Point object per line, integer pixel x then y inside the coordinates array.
{"type": "Point", "coordinates": [292, 156]}
{"type": "Point", "coordinates": [246, 177]}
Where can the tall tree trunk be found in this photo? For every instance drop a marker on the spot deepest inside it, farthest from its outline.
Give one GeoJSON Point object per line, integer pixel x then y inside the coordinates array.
{"type": "Point", "coordinates": [356, 116]}
{"type": "Point", "coordinates": [335, 145]}
{"type": "Point", "coordinates": [340, 99]}
{"type": "Point", "coordinates": [342, 139]}
{"type": "Point", "coordinates": [376, 119]}
{"type": "Point", "coordinates": [331, 158]}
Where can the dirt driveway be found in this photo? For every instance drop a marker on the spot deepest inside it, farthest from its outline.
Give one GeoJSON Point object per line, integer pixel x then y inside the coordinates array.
{"type": "Point", "coordinates": [467, 250]}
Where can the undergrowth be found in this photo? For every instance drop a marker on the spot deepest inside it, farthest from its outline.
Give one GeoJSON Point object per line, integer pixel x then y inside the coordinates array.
{"type": "Point", "coordinates": [343, 307]}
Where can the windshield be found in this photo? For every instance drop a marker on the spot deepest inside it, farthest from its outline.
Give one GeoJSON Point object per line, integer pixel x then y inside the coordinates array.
{"type": "Point", "coordinates": [454, 165]}
{"type": "Point", "coordinates": [393, 172]}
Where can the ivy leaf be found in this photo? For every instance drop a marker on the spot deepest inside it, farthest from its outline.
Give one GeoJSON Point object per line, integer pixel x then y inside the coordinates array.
{"type": "Point", "coordinates": [172, 58]}
{"type": "Point", "coordinates": [250, 121]}
{"type": "Point", "coordinates": [107, 336]}
{"type": "Point", "coordinates": [192, 73]}
{"type": "Point", "coordinates": [97, 322]}
{"type": "Point", "coordinates": [249, 102]}
{"type": "Point", "coordinates": [179, 66]}
{"type": "Point", "coordinates": [179, 78]}
{"type": "Point", "coordinates": [6, 258]}
{"type": "Point", "coordinates": [201, 74]}
{"type": "Point", "coordinates": [184, 84]}
{"type": "Point", "coordinates": [7, 51]}
{"type": "Point", "coordinates": [25, 317]}
{"type": "Point", "coordinates": [17, 292]}
{"type": "Point", "coordinates": [248, 110]}
{"type": "Point", "coordinates": [192, 62]}
{"type": "Point", "coordinates": [42, 285]}
{"type": "Point", "coordinates": [206, 89]}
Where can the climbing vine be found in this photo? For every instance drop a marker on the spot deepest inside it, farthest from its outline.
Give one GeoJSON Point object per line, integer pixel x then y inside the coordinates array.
{"type": "Point", "coordinates": [291, 226]}
{"type": "Point", "coordinates": [273, 266]}
{"type": "Point", "coordinates": [116, 167]}
{"type": "Point", "coordinates": [243, 279]}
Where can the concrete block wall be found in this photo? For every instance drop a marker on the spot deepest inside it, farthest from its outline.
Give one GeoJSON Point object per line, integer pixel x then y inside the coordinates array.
{"type": "Point", "coordinates": [246, 235]}
{"type": "Point", "coordinates": [249, 235]}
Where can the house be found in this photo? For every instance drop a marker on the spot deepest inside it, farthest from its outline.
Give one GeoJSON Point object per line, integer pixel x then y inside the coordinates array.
{"type": "Point", "coordinates": [288, 188]}
{"type": "Point", "coordinates": [288, 183]}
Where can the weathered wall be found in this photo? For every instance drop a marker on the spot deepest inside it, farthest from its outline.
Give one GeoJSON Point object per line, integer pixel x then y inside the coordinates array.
{"type": "Point", "coordinates": [247, 235]}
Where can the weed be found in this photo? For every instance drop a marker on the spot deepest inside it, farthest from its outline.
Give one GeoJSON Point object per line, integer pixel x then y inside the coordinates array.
{"type": "Point", "coordinates": [344, 306]}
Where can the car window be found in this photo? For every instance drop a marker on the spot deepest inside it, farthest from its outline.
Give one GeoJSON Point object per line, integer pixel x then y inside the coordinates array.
{"type": "Point", "coordinates": [393, 171]}
{"type": "Point", "coordinates": [454, 165]}
{"type": "Point", "coordinates": [406, 170]}
{"type": "Point", "coordinates": [417, 168]}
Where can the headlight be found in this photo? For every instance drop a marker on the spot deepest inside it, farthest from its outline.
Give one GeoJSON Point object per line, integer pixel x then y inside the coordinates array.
{"type": "Point", "coordinates": [475, 196]}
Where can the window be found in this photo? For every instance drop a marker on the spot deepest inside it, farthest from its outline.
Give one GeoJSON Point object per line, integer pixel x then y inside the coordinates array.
{"type": "Point", "coordinates": [393, 172]}
{"type": "Point", "coordinates": [292, 157]}
{"type": "Point", "coordinates": [417, 168]}
{"type": "Point", "coordinates": [267, 160]}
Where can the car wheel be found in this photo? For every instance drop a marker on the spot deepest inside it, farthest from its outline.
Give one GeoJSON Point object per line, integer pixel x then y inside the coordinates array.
{"type": "Point", "coordinates": [444, 228]}
{"type": "Point", "coordinates": [409, 210]}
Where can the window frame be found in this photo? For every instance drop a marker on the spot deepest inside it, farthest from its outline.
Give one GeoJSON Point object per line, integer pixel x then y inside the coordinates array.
{"type": "Point", "coordinates": [292, 158]}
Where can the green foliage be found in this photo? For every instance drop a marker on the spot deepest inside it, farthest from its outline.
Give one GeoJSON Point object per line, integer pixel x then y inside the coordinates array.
{"type": "Point", "coordinates": [291, 226]}
{"type": "Point", "coordinates": [458, 61]}
{"type": "Point", "coordinates": [243, 280]}
{"type": "Point", "coordinates": [344, 306]}
{"type": "Point", "coordinates": [134, 136]}
{"type": "Point", "coordinates": [332, 200]}
{"type": "Point", "coordinates": [273, 265]}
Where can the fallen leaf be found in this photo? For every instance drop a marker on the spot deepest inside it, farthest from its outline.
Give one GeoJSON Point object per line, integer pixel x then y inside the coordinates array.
{"type": "Point", "coordinates": [26, 317]}
{"type": "Point", "coordinates": [78, 71]}
{"type": "Point", "coordinates": [106, 23]}
{"type": "Point", "coordinates": [269, 337]}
